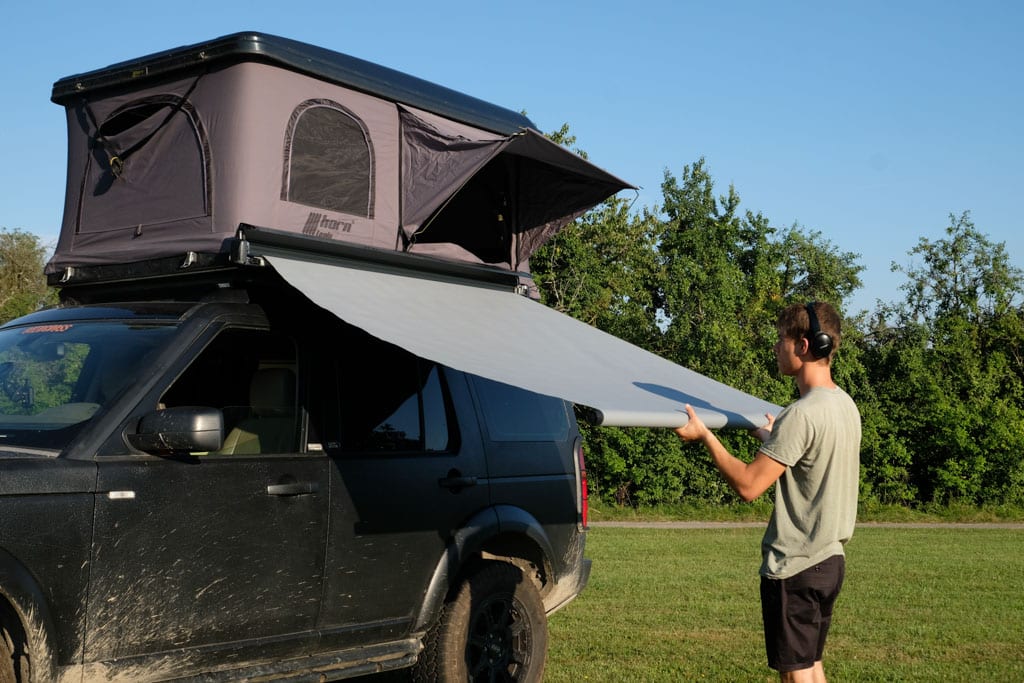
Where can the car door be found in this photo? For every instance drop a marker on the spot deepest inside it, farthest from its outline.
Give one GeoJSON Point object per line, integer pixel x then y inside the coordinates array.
{"type": "Point", "coordinates": [405, 475]}
{"type": "Point", "coordinates": [215, 550]}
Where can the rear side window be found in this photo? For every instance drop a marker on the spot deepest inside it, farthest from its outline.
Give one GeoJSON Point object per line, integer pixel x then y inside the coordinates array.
{"type": "Point", "coordinates": [514, 414]}
{"type": "Point", "coordinates": [392, 401]}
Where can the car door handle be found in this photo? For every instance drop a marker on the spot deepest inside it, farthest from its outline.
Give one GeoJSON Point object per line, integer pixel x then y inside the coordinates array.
{"type": "Point", "coordinates": [298, 488]}
{"type": "Point", "coordinates": [456, 482]}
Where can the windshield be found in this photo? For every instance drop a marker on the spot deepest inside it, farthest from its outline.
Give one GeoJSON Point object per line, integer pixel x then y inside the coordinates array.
{"type": "Point", "coordinates": [55, 377]}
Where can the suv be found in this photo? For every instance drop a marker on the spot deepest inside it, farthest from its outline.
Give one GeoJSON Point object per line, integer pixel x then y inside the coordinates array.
{"type": "Point", "coordinates": [227, 482]}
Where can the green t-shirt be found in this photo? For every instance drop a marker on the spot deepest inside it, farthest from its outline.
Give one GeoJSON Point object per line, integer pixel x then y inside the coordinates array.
{"type": "Point", "coordinates": [818, 439]}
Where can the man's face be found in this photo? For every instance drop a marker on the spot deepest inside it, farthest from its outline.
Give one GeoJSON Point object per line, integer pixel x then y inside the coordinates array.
{"type": "Point", "coordinates": [786, 357]}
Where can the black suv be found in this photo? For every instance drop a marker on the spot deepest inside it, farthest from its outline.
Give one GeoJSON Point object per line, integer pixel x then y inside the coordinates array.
{"type": "Point", "coordinates": [239, 485]}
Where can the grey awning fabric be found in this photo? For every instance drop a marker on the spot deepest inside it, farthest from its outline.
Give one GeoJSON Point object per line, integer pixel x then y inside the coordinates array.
{"type": "Point", "coordinates": [501, 335]}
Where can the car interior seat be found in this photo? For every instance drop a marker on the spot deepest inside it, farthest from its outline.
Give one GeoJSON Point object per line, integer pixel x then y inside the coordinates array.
{"type": "Point", "coordinates": [270, 425]}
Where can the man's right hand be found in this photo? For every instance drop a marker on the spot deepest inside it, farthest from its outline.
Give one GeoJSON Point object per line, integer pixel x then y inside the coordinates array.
{"type": "Point", "coordinates": [694, 429]}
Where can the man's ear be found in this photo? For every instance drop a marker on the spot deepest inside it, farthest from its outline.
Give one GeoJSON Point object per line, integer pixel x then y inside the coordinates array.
{"type": "Point", "coordinates": [805, 346]}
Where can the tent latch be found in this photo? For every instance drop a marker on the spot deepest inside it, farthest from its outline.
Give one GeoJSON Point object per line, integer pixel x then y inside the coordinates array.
{"type": "Point", "coordinates": [240, 254]}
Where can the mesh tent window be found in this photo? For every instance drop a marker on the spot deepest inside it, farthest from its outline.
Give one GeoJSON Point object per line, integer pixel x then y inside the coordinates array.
{"type": "Point", "coordinates": [149, 165]}
{"type": "Point", "coordinates": [329, 161]}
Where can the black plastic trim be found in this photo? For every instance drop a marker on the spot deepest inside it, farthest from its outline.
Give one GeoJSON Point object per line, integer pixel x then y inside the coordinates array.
{"type": "Point", "coordinates": [318, 62]}
{"type": "Point", "coordinates": [310, 247]}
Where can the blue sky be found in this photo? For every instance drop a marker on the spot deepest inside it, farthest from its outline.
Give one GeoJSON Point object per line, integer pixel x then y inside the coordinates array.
{"type": "Point", "coordinates": [870, 122]}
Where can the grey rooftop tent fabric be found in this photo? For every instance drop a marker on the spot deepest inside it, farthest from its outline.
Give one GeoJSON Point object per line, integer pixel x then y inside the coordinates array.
{"type": "Point", "coordinates": [493, 332]}
{"type": "Point", "coordinates": [171, 153]}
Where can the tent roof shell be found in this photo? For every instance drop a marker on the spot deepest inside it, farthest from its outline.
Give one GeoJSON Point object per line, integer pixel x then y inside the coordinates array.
{"type": "Point", "coordinates": [321, 63]}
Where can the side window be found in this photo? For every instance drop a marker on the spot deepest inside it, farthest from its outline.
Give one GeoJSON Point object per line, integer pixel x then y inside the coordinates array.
{"type": "Point", "coordinates": [329, 160]}
{"type": "Point", "coordinates": [392, 401]}
{"type": "Point", "coordinates": [250, 375]}
{"type": "Point", "coordinates": [514, 414]}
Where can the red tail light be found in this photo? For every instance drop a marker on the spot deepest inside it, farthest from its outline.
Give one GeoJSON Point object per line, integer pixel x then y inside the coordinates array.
{"type": "Point", "coordinates": [582, 504]}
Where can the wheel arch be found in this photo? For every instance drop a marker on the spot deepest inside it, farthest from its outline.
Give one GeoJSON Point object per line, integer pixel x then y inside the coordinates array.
{"type": "Point", "coordinates": [503, 533]}
{"type": "Point", "coordinates": [23, 607]}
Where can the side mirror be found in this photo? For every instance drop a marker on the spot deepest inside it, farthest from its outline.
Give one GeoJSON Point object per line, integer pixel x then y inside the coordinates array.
{"type": "Point", "coordinates": [180, 429]}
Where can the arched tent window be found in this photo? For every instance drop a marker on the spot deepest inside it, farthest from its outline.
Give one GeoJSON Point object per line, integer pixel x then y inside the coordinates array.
{"type": "Point", "coordinates": [329, 160]}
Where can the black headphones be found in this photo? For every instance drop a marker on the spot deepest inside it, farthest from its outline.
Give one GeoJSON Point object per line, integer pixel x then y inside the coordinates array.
{"type": "Point", "coordinates": [819, 342]}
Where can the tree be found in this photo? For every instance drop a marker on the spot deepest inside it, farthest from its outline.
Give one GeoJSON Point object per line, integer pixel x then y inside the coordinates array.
{"type": "Point", "coordinates": [601, 269]}
{"type": "Point", "coordinates": [22, 283]}
{"type": "Point", "coordinates": [938, 376]}
{"type": "Point", "coordinates": [947, 369]}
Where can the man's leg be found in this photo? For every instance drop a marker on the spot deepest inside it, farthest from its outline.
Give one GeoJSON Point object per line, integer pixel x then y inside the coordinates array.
{"type": "Point", "coordinates": [816, 674]}
{"type": "Point", "coordinates": [797, 613]}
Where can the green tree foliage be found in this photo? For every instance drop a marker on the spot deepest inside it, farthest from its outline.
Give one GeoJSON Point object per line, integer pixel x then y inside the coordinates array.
{"type": "Point", "coordinates": [601, 271]}
{"type": "Point", "coordinates": [22, 283]}
{"type": "Point", "coordinates": [946, 368]}
{"type": "Point", "coordinates": [30, 384]}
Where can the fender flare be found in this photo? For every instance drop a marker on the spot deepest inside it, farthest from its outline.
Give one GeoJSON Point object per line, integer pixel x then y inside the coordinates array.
{"type": "Point", "coordinates": [20, 590]}
{"type": "Point", "coordinates": [467, 542]}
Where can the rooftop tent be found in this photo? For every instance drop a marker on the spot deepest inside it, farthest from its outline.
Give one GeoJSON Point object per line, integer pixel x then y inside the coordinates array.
{"type": "Point", "coordinates": [171, 153]}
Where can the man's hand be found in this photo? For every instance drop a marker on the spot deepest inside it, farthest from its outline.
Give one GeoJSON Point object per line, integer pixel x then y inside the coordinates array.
{"type": "Point", "coordinates": [762, 433]}
{"type": "Point", "coordinates": [748, 480]}
{"type": "Point", "coordinates": [695, 429]}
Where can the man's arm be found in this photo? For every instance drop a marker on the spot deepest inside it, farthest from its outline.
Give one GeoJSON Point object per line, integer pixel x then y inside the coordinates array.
{"type": "Point", "coordinates": [749, 480]}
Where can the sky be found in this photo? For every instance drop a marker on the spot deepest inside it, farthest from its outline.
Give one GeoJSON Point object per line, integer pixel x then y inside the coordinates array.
{"type": "Point", "coordinates": [870, 122]}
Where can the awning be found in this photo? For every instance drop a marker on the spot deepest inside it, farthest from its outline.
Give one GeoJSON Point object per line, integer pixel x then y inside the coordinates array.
{"type": "Point", "coordinates": [494, 332]}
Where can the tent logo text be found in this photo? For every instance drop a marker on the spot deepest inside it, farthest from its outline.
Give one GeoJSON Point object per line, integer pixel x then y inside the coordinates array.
{"type": "Point", "coordinates": [317, 222]}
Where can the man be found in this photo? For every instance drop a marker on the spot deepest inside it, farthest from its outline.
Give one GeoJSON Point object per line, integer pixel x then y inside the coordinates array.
{"type": "Point", "coordinates": [813, 451]}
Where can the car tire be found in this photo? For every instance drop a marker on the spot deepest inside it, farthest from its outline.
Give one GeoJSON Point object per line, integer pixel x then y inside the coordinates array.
{"type": "Point", "coordinates": [494, 628]}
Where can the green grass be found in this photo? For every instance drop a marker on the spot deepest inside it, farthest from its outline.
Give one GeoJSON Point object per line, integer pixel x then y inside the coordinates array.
{"type": "Point", "coordinates": [929, 604]}
{"type": "Point", "coordinates": [760, 509]}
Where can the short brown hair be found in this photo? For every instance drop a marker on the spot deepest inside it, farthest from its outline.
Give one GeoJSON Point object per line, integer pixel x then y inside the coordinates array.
{"type": "Point", "coordinates": [794, 323]}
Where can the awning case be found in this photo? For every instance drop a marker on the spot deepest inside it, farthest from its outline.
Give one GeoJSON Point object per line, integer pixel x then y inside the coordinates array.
{"type": "Point", "coordinates": [492, 331]}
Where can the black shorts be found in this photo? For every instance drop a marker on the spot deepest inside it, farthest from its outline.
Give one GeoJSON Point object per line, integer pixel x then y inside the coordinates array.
{"type": "Point", "coordinates": [797, 612]}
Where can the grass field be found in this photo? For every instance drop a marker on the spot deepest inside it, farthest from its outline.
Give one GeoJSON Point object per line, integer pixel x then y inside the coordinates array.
{"type": "Point", "coordinates": [920, 604]}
